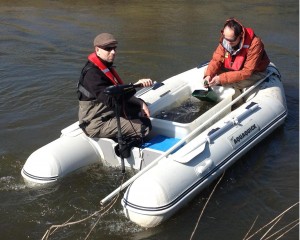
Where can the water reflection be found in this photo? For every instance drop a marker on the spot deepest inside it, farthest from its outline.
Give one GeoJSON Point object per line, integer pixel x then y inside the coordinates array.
{"type": "Point", "coordinates": [185, 112]}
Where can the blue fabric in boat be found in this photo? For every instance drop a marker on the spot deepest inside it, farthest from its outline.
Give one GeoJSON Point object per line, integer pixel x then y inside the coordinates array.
{"type": "Point", "coordinates": [161, 143]}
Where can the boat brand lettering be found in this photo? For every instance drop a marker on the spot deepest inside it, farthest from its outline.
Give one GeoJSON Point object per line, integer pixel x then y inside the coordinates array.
{"type": "Point", "coordinates": [243, 134]}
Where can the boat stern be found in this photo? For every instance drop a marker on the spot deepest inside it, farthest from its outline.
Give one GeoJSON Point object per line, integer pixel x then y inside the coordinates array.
{"type": "Point", "coordinates": [59, 158]}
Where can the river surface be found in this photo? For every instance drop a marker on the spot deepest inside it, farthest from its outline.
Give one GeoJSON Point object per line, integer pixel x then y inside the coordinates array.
{"type": "Point", "coordinates": [44, 45]}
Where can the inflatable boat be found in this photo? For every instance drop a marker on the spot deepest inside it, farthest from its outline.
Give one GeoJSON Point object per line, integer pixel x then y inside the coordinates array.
{"type": "Point", "coordinates": [181, 156]}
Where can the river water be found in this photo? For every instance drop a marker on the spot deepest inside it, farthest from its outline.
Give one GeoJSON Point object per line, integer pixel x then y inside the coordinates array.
{"type": "Point", "coordinates": [44, 45]}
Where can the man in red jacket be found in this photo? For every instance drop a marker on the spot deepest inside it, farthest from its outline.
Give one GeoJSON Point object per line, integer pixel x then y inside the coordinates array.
{"type": "Point", "coordinates": [240, 59]}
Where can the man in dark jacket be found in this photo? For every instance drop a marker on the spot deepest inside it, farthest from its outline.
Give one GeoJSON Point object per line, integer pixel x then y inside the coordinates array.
{"type": "Point", "coordinates": [97, 109]}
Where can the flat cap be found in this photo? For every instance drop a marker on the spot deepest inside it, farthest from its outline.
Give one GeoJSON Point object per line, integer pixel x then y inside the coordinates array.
{"type": "Point", "coordinates": [104, 39]}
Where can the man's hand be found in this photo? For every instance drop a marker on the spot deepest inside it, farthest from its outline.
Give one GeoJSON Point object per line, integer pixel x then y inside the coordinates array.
{"type": "Point", "coordinates": [212, 81]}
{"type": "Point", "coordinates": [145, 110]}
{"type": "Point", "coordinates": [215, 81]}
{"type": "Point", "coordinates": [146, 82]}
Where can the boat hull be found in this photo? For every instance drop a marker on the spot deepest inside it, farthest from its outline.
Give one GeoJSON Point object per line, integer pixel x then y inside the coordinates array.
{"type": "Point", "coordinates": [171, 184]}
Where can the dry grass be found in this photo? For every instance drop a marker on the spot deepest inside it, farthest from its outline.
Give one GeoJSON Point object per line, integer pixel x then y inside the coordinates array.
{"type": "Point", "coordinates": [268, 234]}
{"type": "Point", "coordinates": [270, 225]}
{"type": "Point", "coordinates": [206, 205]}
{"type": "Point", "coordinates": [100, 213]}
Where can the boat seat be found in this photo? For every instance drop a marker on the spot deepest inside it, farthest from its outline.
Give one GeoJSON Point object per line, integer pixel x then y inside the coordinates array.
{"type": "Point", "coordinates": [161, 143]}
{"type": "Point", "coordinates": [153, 148]}
{"type": "Point", "coordinates": [72, 130]}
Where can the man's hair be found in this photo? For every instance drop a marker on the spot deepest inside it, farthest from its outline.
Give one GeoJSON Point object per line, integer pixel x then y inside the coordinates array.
{"type": "Point", "coordinates": [235, 25]}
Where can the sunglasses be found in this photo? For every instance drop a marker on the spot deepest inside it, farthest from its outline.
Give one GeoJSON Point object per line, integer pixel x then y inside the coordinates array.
{"type": "Point", "coordinates": [229, 40]}
{"type": "Point", "coordinates": [108, 49]}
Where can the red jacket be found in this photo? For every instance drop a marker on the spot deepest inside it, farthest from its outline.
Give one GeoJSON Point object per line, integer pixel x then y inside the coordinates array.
{"type": "Point", "coordinates": [255, 60]}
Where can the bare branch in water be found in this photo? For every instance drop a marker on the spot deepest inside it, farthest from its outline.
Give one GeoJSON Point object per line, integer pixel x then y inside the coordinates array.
{"type": "Point", "coordinates": [102, 212]}
{"type": "Point", "coordinates": [271, 227]}
{"type": "Point", "coordinates": [206, 205]}
{"type": "Point", "coordinates": [295, 222]}
{"type": "Point", "coordinates": [276, 220]}
{"type": "Point", "coordinates": [251, 227]}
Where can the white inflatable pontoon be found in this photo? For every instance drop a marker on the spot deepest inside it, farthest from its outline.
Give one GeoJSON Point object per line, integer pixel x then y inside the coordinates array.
{"type": "Point", "coordinates": [178, 160]}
